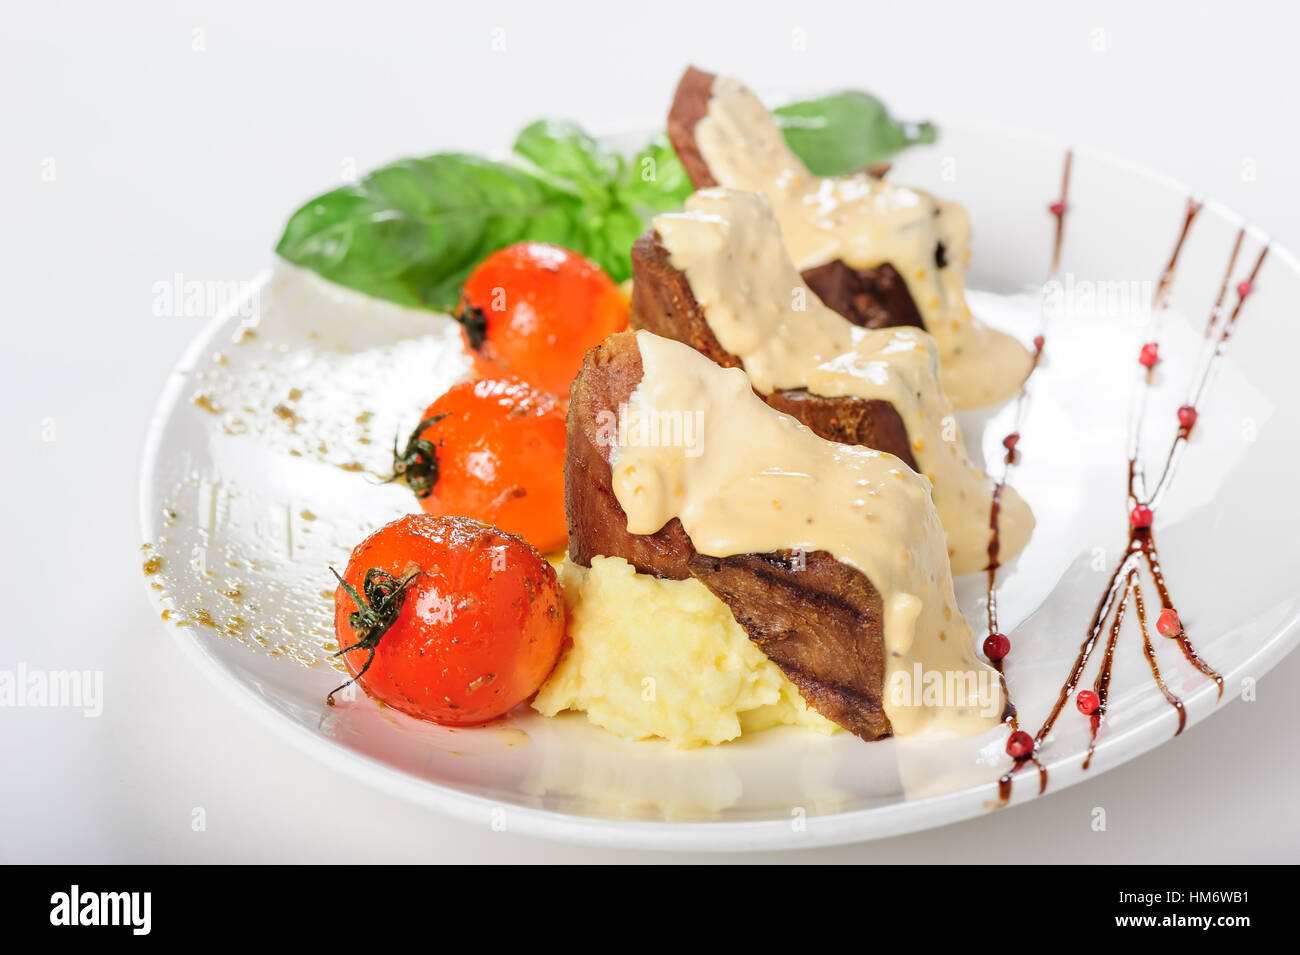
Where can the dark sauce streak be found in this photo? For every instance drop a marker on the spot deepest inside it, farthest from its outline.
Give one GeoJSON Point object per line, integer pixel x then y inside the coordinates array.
{"type": "Point", "coordinates": [1166, 283]}
{"type": "Point", "coordinates": [1101, 686]}
{"type": "Point", "coordinates": [1060, 219]}
{"type": "Point", "coordinates": [995, 545]}
{"type": "Point", "coordinates": [1150, 653]}
{"type": "Point", "coordinates": [1184, 644]}
{"type": "Point", "coordinates": [1225, 333]}
{"type": "Point", "coordinates": [1010, 715]}
{"type": "Point", "coordinates": [1116, 585]}
{"type": "Point", "coordinates": [1125, 580]}
{"type": "Point", "coordinates": [1218, 303]}
{"type": "Point", "coordinates": [1137, 412]}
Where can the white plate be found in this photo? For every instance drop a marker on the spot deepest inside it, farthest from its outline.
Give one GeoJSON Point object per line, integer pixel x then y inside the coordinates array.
{"type": "Point", "coordinates": [248, 504]}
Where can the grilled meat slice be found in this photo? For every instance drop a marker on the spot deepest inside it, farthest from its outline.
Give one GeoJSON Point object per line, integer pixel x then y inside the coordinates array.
{"type": "Point", "coordinates": [690, 105]}
{"type": "Point", "coordinates": [662, 302]}
{"type": "Point", "coordinates": [873, 298]}
{"type": "Point", "coordinates": [819, 620]}
{"type": "Point", "coordinates": [597, 523]}
{"type": "Point", "coordinates": [821, 625]}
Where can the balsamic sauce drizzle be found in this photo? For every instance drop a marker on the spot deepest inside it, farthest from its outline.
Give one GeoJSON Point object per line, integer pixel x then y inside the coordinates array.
{"type": "Point", "coordinates": [1124, 582]}
{"type": "Point", "coordinates": [1010, 716]}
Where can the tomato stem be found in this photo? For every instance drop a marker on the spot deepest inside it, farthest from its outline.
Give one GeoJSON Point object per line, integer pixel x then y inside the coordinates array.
{"type": "Point", "coordinates": [417, 465]}
{"type": "Point", "coordinates": [474, 321]}
{"type": "Point", "coordinates": [376, 612]}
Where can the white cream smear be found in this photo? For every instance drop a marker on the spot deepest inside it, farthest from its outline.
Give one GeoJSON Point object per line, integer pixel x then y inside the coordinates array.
{"type": "Point", "coordinates": [729, 246]}
{"type": "Point", "coordinates": [866, 221]}
{"type": "Point", "coordinates": [757, 481]}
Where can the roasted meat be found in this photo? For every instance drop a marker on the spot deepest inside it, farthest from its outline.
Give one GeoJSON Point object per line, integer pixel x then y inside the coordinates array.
{"type": "Point", "coordinates": [818, 619]}
{"type": "Point", "coordinates": [662, 303]}
{"type": "Point", "coordinates": [873, 298]}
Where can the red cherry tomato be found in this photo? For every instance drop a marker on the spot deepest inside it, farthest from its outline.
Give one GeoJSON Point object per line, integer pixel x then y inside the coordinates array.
{"type": "Point", "coordinates": [448, 619]}
{"type": "Point", "coordinates": [492, 450]}
{"type": "Point", "coordinates": [532, 310]}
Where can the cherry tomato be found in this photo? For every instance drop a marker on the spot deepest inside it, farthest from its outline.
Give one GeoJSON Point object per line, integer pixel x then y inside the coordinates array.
{"type": "Point", "coordinates": [448, 619]}
{"type": "Point", "coordinates": [532, 310]}
{"type": "Point", "coordinates": [492, 450]}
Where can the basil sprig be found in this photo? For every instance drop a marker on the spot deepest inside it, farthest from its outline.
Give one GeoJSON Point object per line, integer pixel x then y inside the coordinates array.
{"type": "Point", "coordinates": [412, 231]}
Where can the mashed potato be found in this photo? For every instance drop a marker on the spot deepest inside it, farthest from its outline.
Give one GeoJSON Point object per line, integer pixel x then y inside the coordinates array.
{"type": "Point", "coordinates": [664, 658]}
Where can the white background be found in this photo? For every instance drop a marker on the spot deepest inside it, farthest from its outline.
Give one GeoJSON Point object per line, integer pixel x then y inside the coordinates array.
{"type": "Point", "coordinates": [169, 159]}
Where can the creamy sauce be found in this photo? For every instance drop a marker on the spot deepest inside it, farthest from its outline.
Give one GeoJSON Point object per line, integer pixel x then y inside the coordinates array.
{"type": "Point", "coordinates": [756, 481]}
{"type": "Point", "coordinates": [866, 221]}
{"type": "Point", "coordinates": [729, 246]}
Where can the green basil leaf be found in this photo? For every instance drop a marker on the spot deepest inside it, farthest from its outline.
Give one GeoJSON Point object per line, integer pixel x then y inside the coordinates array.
{"type": "Point", "coordinates": [656, 179]}
{"type": "Point", "coordinates": [606, 235]}
{"type": "Point", "coordinates": [569, 158]}
{"type": "Point", "coordinates": [411, 232]}
{"type": "Point", "coordinates": [840, 134]}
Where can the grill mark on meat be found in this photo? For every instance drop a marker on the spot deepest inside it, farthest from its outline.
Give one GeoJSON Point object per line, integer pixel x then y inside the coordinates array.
{"type": "Point", "coordinates": [822, 625]}
{"type": "Point", "coordinates": [872, 298]}
{"type": "Point", "coordinates": [663, 303]}
{"type": "Point", "coordinates": [781, 565]}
